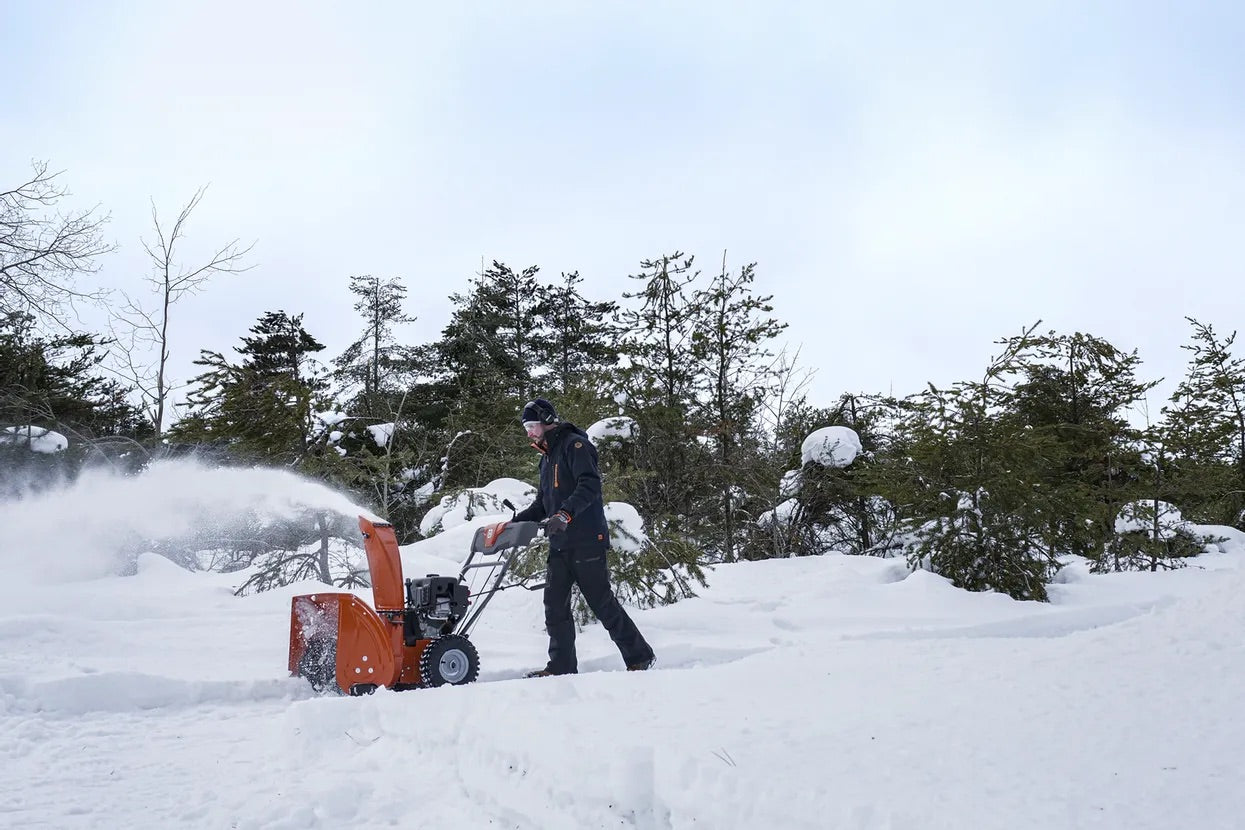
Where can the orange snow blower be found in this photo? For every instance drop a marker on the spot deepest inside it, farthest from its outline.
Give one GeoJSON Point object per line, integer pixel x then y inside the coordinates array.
{"type": "Point", "coordinates": [417, 637]}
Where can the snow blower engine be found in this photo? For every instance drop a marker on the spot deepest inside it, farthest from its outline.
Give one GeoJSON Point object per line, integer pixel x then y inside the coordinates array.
{"type": "Point", "coordinates": [412, 638]}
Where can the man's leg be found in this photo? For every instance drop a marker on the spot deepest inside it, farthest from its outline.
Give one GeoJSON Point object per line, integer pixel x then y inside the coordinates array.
{"type": "Point", "coordinates": [558, 620]}
{"type": "Point", "coordinates": [592, 575]}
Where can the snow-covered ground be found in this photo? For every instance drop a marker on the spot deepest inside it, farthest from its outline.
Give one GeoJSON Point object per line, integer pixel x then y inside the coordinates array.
{"type": "Point", "coordinates": [829, 692]}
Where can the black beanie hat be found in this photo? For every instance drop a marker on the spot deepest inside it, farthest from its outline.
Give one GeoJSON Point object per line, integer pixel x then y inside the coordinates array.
{"type": "Point", "coordinates": [540, 410]}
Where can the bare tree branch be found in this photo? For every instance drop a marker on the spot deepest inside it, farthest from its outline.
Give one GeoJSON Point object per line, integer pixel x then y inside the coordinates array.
{"type": "Point", "coordinates": [169, 281]}
{"type": "Point", "coordinates": [42, 253]}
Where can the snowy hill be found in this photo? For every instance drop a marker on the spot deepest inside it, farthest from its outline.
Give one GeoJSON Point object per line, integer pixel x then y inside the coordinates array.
{"type": "Point", "coordinates": [828, 692]}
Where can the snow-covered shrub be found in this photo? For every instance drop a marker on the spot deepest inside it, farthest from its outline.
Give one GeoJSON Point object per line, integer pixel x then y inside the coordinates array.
{"type": "Point", "coordinates": [464, 505]}
{"type": "Point", "coordinates": [614, 431]}
{"type": "Point", "coordinates": [823, 505]}
{"type": "Point", "coordinates": [979, 548]}
{"type": "Point", "coordinates": [831, 447]}
{"type": "Point", "coordinates": [1149, 535]}
{"type": "Point", "coordinates": [36, 439]}
{"type": "Point", "coordinates": [647, 570]}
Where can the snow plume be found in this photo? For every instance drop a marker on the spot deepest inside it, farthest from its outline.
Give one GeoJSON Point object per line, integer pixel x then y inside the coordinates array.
{"type": "Point", "coordinates": [103, 521]}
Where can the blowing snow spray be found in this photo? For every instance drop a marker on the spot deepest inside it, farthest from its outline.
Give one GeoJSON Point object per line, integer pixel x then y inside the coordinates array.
{"type": "Point", "coordinates": [102, 522]}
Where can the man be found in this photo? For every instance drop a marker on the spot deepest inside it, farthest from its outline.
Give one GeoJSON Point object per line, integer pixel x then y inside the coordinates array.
{"type": "Point", "coordinates": [570, 498]}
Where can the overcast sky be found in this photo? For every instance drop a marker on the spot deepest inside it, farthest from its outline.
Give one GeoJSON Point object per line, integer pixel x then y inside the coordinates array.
{"type": "Point", "coordinates": [913, 180]}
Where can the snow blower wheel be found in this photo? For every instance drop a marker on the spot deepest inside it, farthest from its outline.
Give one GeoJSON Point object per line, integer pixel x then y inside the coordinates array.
{"type": "Point", "coordinates": [450, 660]}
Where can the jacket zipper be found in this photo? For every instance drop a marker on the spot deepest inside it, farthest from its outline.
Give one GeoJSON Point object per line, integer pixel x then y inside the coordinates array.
{"type": "Point", "coordinates": [555, 476]}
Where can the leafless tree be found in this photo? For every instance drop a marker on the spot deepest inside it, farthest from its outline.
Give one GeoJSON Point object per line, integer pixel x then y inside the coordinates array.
{"type": "Point", "coordinates": [787, 384]}
{"type": "Point", "coordinates": [42, 250]}
{"type": "Point", "coordinates": [148, 327]}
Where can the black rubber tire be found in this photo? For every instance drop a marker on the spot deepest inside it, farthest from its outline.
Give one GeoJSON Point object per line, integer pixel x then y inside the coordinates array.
{"type": "Point", "coordinates": [450, 660]}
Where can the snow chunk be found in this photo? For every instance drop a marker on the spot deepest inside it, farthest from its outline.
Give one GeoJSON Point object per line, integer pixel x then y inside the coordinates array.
{"type": "Point", "coordinates": [831, 447]}
{"type": "Point", "coordinates": [467, 505]}
{"type": "Point", "coordinates": [382, 433]}
{"type": "Point", "coordinates": [612, 430]}
{"type": "Point", "coordinates": [37, 439]}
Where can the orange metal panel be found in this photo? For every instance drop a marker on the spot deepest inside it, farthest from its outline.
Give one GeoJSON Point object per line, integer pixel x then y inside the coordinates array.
{"type": "Point", "coordinates": [385, 563]}
{"type": "Point", "coordinates": [365, 651]}
{"type": "Point", "coordinates": [361, 641]}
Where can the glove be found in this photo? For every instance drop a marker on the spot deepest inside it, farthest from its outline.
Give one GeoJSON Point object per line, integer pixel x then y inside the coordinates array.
{"type": "Point", "coordinates": [557, 523]}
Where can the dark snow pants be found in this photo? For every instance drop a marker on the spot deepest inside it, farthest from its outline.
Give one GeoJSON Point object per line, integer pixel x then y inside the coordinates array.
{"type": "Point", "coordinates": [586, 568]}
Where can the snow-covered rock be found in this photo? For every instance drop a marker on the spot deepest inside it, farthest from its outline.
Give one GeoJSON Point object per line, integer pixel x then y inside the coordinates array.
{"type": "Point", "coordinates": [831, 447]}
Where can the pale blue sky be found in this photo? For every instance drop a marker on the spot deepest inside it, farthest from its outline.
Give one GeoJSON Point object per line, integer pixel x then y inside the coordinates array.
{"type": "Point", "coordinates": [914, 180]}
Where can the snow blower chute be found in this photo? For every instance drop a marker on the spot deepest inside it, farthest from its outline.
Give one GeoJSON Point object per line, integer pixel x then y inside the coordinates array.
{"type": "Point", "coordinates": [417, 633]}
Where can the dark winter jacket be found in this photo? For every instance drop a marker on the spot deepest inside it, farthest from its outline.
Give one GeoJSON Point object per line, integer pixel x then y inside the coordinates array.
{"type": "Point", "coordinates": [570, 480]}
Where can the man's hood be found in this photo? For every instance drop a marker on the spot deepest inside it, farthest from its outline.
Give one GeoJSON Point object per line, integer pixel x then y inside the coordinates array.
{"type": "Point", "coordinates": [556, 436]}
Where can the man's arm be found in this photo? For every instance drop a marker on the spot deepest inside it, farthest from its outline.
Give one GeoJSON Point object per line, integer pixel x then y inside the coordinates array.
{"type": "Point", "coordinates": [534, 512]}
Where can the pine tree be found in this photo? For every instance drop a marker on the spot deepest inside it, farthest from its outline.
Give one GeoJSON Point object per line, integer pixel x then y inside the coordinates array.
{"type": "Point", "coordinates": [374, 367]}
{"type": "Point", "coordinates": [661, 367]}
{"type": "Point", "coordinates": [582, 338]}
{"type": "Point", "coordinates": [493, 334]}
{"type": "Point", "coordinates": [731, 333]}
{"type": "Point", "coordinates": [658, 380]}
{"type": "Point", "coordinates": [383, 441]}
{"type": "Point", "coordinates": [837, 508]}
{"type": "Point", "coordinates": [53, 382]}
{"type": "Point", "coordinates": [1149, 533]}
{"type": "Point", "coordinates": [486, 365]}
{"type": "Point", "coordinates": [261, 408]}
{"type": "Point", "coordinates": [1206, 427]}
{"type": "Point", "coordinates": [1073, 392]}
{"type": "Point", "coordinates": [966, 483]}
{"type": "Point", "coordinates": [280, 348]}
